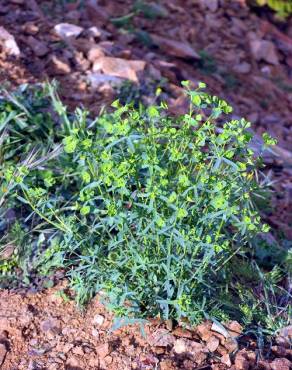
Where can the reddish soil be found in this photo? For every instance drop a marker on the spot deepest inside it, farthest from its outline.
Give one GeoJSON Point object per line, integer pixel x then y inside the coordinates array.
{"type": "Point", "coordinates": [44, 331]}
{"type": "Point", "coordinates": [247, 59]}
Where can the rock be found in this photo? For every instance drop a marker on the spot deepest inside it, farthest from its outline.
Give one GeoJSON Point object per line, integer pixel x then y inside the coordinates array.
{"type": "Point", "coordinates": [30, 28]}
{"type": "Point", "coordinates": [108, 360]}
{"type": "Point", "coordinates": [95, 53]}
{"type": "Point", "coordinates": [286, 332]}
{"type": "Point", "coordinates": [220, 329]}
{"type": "Point", "coordinates": [183, 333]}
{"type": "Point", "coordinates": [94, 32]}
{"type": "Point", "coordinates": [279, 351]}
{"type": "Point", "coordinates": [234, 328]}
{"type": "Point", "coordinates": [264, 50]}
{"type": "Point", "coordinates": [8, 43]}
{"type": "Point", "coordinates": [94, 333]}
{"type": "Point", "coordinates": [231, 345]}
{"type": "Point", "coordinates": [210, 4]}
{"type": "Point", "coordinates": [98, 80]}
{"type": "Point", "coordinates": [204, 331]}
{"type": "Point", "coordinates": [241, 362]}
{"type": "Point", "coordinates": [263, 365]}
{"type": "Point", "coordinates": [222, 350]}
{"type": "Point", "coordinates": [127, 69]}
{"type": "Point", "coordinates": [167, 365]}
{"type": "Point", "coordinates": [3, 352]}
{"type": "Point", "coordinates": [73, 363]}
{"type": "Point", "coordinates": [59, 66]}
{"type": "Point", "coordinates": [78, 351]}
{"type": "Point", "coordinates": [178, 49]}
{"type": "Point", "coordinates": [285, 335]}
{"type": "Point", "coordinates": [161, 338]}
{"type": "Point", "coordinates": [50, 326]}
{"type": "Point", "coordinates": [102, 350]}
{"type": "Point", "coordinates": [242, 68]}
{"type": "Point", "coordinates": [212, 344]}
{"type": "Point", "coordinates": [98, 320]}
{"type": "Point", "coordinates": [225, 359]}
{"type": "Point", "coordinates": [98, 33]}
{"type": "Point", "coordinates": [68, 30]}
{"type": "Point", "coordinates": [281, 364]}
{"type": "Point", "coordinates": [39, 48]}
{"type": "Point", "coordinates": [198, 351]}
{"type": "Point", "coordinates": [180, 346]}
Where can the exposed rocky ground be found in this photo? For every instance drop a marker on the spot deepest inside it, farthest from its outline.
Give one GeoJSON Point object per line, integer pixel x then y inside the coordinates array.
{"type": "Point", "coordinates": [93, 50]}
{"type": "Point", "coordinates": [47, 331]}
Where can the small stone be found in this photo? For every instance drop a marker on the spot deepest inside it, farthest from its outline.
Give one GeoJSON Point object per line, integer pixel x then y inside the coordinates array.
{"type": "Point", "coordinates": [8, 43]}
{"type": "Point", "coordinates": [39, 48]}
{"type": "Point", "coordinates": [95, 333]}
{"type": "Point", "coordinates": [98, 33]}
{"type": "Point", "coordinates": [98, 80]}
{"type": "Point", "coordinates": [183, 333]}
{"type": "Point", "coordinates": [281, 364]}
{"type": "Point", "coordinates": [127, 69]}
{"type": "Point", "coordinates": [30, 28]}
{"type": "Point", "coordinates": [161, 338]}
{"type": "Point", "coordinates": [59, 66]}
{"type": "Point", "coordinates": [241, 362]}
{"type": "Point", "coordinates": [279, 351]}
{"type": "Point", "coordinates": [242, 68]}
{"type": "Point", "coordinates": [264, 50]}
{"type": "Point", "coordinates": [73, 363]}
{"type": "Point", "coordinates": [212, 344]}
{"type": "Point", "coordinates": [225, 359]}
{"type": "Point", "coordinates": [67, 347]}
{"type": "Point", "coordinates": [102, 350]}
{"type": "Point", "coordinates": [68, 30]}
{"type": "Point", "coordinates": [78, 351]}
{"type": "Point", "coordinates": [211, 4]}
{"type": "Point", "coordinates": [204, 331]}
{"type": "Point", "coordinates": [50, 326]}
{"type": "Point", "coordinates": [95, 32]}
{"type": "Point", "coordinates": [95, 53]}
{"type": "Point", "coordinates": [108, 360]}
{"type": "Point", "coordinates": [231, 345]}
{"type": "Point", "coordinates": [166, 365]}
{"type": "Point", "coordinates": [180, 346]}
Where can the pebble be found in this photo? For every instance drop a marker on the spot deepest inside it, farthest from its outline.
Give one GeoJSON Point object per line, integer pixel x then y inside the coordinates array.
{"type": "Point", "coordinates": [8, 43]}
{"type": "Point", "coordinates": [68, 30]}
{"type": "Point", "coordinates": [98, 320]}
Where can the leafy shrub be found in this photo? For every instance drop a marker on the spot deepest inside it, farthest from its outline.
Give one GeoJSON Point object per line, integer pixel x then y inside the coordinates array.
{"type": "Point", "coordinates": [147, 208]}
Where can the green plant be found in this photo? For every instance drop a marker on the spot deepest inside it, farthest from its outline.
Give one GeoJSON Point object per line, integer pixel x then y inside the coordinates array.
{"type": "Point", "coordinates": [282, 7]}
{"type": "Point", "coordinates": [150, 209]}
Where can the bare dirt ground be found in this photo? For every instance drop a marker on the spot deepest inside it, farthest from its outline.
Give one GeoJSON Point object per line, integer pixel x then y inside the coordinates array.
{"type": "Point", "coordinates": [46, 331]}
{"type": "Point", "coordinates": [243, 57]}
